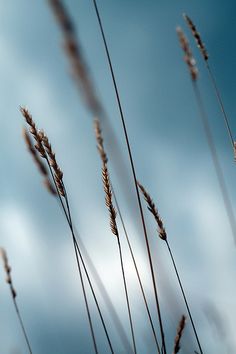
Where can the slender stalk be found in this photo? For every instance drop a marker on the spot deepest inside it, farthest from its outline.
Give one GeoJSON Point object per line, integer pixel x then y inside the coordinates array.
{"type": "Point", "coordinates": [22, 325]}
{"type": "Point", "coordinates": [217, 92]}
{"type": "Point", "coordinates": [136, 269]}
{"type": "Point", "coordinates": [7, 269]}
{"type": "Point", "coordinates": [133, 173]}
{"type": "Point", "coordinates": [88, 278]}
{"type": "Point", "coordinates": [163, 236]}
{"type": "Point", "coordinates": [111, 309]}
{"type": "Point", "coordinates": [114, 229]}
{"type": "Point", "coordinates": [184, 296]}
{"type": "Point", "coordinates": [82, 284]}
{"type": "Point", "coordinates": [78, 251]}
{"type": "Point", "coordinates": [112, 211]}
{"type": "Point", "coordinates": [215, 159]}
{"type": "Point", "coordinates": [95, 298]}
{"type": "Point", "coordinates": [56, 174]}
{"type": "Point", "coordinates": [85, 297]}
{"type": "Point", "coordinates": [189, 59]}
{"type": "Point", "coordinates": [202, 48]}
{"type": "Point", "coordinates": [76, 255]}
{"type": "Point", "coordinates": [204, 118]}
{"type": "Point", "coordinates": [126, 294]}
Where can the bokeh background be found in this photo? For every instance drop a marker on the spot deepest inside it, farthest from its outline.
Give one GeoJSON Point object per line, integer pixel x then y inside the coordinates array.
{"type": "Point", "coordinates": [172, 160]}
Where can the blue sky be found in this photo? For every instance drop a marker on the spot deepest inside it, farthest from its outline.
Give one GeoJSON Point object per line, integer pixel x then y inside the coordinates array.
{"type": "Point", "coordinates": [171, 157]}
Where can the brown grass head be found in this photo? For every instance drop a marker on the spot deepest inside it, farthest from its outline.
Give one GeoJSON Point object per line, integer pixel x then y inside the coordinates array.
{"type": "Point", "coordinates": [197, 36]}
{"type": "Point", "coordinates": [108, 200]}
{"type": "Point", "coordinates": [179, 334]}
{"type": "Point", "coordinates": [105, 177]}
{"type": "Point", "coordinates": [188, 57]}
{"type": "Point", "coordinates": [99, 138]}
{"type": "Point", "coordinates": [7, 269]}
{"type": "Point", "coordinates": [58, 174]}
{"type": "Point", "coordinates": [34, 153]}
{"type": "Point", "coordinates": [61, 15]}
{"type": "Point", "coordinates": [75, 55]}
{"type": "Point", "coordinates": [38, 161]}
{"type": "Point", "coordinates": [33, 130]}
{"type": "Point", "coordinates": [49, 186]}
{"type": "Point", "coordinates": [153, 209]}
{"type": "Point", "coordinates": [44, 148]}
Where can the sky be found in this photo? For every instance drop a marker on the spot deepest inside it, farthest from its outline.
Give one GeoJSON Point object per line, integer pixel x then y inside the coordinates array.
{"type": "Point", "coordinates": [172, 161]}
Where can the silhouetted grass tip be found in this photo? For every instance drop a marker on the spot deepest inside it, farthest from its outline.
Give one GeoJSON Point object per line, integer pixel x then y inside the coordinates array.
{"type": "Point", "coordinates": [188, 57]}
{"type": "Point", "coordinates": [153, 209]}
{"type": "Point", "coordinates": [197, 36]}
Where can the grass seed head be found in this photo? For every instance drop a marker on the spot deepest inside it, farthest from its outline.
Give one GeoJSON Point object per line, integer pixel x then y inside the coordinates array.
{"type": "Point", "coordinates": [197, 37]}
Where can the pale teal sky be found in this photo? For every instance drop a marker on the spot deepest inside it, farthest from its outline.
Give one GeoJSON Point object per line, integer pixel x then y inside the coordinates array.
{"type": "Point", "coordinates": [171, 156]}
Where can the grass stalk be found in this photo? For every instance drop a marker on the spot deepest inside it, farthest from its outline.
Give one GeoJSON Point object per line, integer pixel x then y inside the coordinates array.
{"type": "Point", "coordinates": [216, 162]}
{"type": "Point", "coordinates": [110, 307]}
{"type": "Point", "coordinates": [13, 295]}
{"type": "Point", "coordinates": [179, 334]}
{"type": "Point", "coordinates": [76, 248]}
{"type": "Point", "coordinates": [184, 297]}
{"type": "Point", "coordinates": [220, 101]}
{"type": "Point", "coordinates": [114, 230]}
{"type": "Point", "coordinates": [205, 56]}
{"type": "Point", "coordinates": [67, 214]}
{"type": "Point", "coordinates": [104, 159]}
{"type": "Point", "coordinates": [44, 148]}
{"type": "Point", "coordinates": [88, 277]}
{"type": "Point", "coordinates": [112, 214]}
{"type": "Point", "coordinates": [136, 270]}
{"type": "Point", "coordinates": [126, 294]}
{"type": "Point", "coordinates": [163, 236]}
{"type": "Point", "coordinates": [205, 122]}
{"type": "Point", "coordinates": [133, 173]}
{"type": "Point", "coordinates": [22, 326]}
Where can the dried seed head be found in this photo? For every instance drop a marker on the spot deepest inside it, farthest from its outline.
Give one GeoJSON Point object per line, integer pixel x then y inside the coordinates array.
{"type": "Point", "coordinates": [235, 150]}
{"type": "Point", "coordinates": [33, 131]}
{"type": "Point", "coordinates": [49, 186]}
{"type": "Point", "coordinates": [62, 16]}
{"type": "Point", "coordinates": [39, 163]}
{"type": "Point", "coordinates": [105, 177]}
{"type": "Point", "coordinates": [99, 138]}
{"type": "Point", "coordinates": [153, 209]}
{"type": "Point", "coordinates": [7, 269]}
{"type": "Point", "coordinates": [197, 37]}
{"type": "Point", "coordinates": [179, 334]}
{"type": "Point", "coordinates": [108, 200]}
{"type": "Point", "coordinates": [75, 55]}
{"type": "Point", "coordinates": [34, 153]}
{"type": "Point", "coordinates": [58, 174]}
{"type": "Point", "coordinates": [188, 57]}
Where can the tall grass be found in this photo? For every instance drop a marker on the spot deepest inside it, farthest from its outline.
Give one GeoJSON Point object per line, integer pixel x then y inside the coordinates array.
{"type": "Point", "coordinates": [207, 129]}
{"type": "Point", "coordinates": [7, 269]}
{"type": "Point", "coordinates": [44, 157]}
